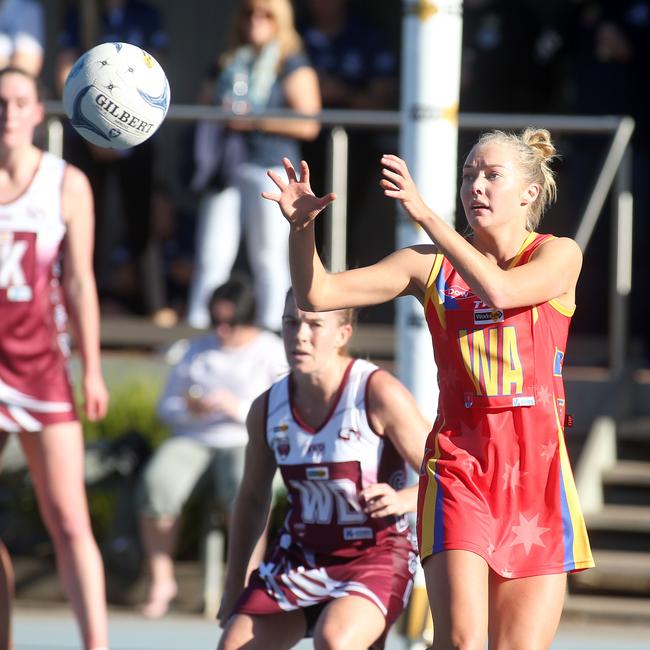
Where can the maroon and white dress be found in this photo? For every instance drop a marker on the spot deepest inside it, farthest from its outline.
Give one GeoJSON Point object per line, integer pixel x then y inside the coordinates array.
{"type": "Point", "coordinates": [34, 385]}
{"type": "Point", "coordinates": [328, 547]}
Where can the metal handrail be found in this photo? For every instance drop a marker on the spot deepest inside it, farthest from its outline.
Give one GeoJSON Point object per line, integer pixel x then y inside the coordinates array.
{"type": "Point", "coordinates": [614, 175]}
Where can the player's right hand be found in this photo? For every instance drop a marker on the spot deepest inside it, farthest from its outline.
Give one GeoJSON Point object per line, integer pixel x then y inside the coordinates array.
{"type": "Point", "coordinates": [298, 203]}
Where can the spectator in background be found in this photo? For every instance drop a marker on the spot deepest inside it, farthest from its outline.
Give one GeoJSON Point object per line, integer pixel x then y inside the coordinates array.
{"type": "Point", "coordinates": [610, 44]}
{"type": "Point", "coordinates": [140, 24]}
{"type": "Point", "coordinates": [497, 45]}
{"type": "Point", "coordinates": [22, 35]}
{"type": "Point", "coordinates": [357, 69]}
{"type": "Point", "coordinates": [264, 69]}
{"type": "Point", "coordinates": [205, 403]}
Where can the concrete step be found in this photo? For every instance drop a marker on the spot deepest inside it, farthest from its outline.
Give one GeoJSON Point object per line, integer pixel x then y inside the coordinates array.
{"type": "Point", "coordinates": [628, 482]}
{"type": "Point", "coordinates": [607, 608]}
{"type": "Point", "coordinates": [633, 439]}
{"type": "Point", "coordinates": [37, 582]}
{"type": "Point", "coordinates": [620, 527]}
{"type": "Point", "coordinates": [616, 572]}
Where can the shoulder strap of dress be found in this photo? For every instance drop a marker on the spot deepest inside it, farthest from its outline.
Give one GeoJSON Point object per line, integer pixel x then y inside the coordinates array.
{"type": "Point", "coordinates": [532, 243]}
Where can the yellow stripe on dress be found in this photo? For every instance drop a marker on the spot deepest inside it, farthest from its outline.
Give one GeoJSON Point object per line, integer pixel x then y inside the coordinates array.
{"type": "Point", "coordinates": [428, 514]}
{"type": "Point", "coordinates": [515, 260]}
{"type": "Point", "coordinates": [565, 311]}
{"type": "Point", "coordinates": [431, 294]}
{"type": "Point", "coordinates": [581, 550]}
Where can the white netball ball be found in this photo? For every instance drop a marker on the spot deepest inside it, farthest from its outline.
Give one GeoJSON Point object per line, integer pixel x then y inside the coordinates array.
{"type": "Point", "coordinates": [116, 95]}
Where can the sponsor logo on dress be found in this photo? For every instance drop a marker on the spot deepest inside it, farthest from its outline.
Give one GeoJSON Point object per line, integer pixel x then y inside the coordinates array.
{"type": "Point", "coordinates": [482, 316]}
{"type": "Point", "coordinates": [316, 448]}
{"type": "Point", "coordinates": [456, 292]}
{"type": "Point", "coordinates": [358, 532]}
{"type": "Point", "coordinates": [523, 401]}
{"type": "Point", "coordinates": [317, 473]}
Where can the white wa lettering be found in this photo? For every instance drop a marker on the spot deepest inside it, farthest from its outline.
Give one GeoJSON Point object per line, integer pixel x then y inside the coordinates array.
{"type": "Point", "coordinates": [11, 257]}
{"type": "Point", "coordinates": [318, 499]}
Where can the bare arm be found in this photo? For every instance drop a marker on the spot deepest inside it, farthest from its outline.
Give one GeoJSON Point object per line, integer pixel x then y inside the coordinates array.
{"type": "Point", "coordinates": [80, 289]}
{"type": "Point", "coordinates": [393, 412]}
{"type": "Point", "coordinates": [551, 273]}
{"type": "Point", "coordinates": [401, 273]}
{"type": "Point", "coordinates": [303, 96]}
{"type": "Point", "coordinates": [251, 507]}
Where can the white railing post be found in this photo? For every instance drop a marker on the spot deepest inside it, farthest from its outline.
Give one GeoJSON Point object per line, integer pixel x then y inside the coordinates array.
{"type": "Point", "coordinates": [337, 182]}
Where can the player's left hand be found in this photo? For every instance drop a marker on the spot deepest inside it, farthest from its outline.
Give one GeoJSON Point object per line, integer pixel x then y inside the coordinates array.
{"type": "Point", "coordinates": [398, 184]}
{"type": "Point", "coordinates": [95, 397]}
{"type": "Point", "coordinates": [381, 500]}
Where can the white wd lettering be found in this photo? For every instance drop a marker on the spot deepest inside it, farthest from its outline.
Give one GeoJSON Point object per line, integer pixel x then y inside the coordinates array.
{"type": "Point", "coordinates": [318, 498]}
{"type": "Point", "coordinates": [11, 257]}
{"type": "Point", "coordinates": [348, 507]}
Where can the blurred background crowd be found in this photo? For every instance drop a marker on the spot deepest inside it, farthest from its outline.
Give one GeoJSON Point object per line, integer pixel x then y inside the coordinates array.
{"type": "Point", "coordinates": [156, 228]}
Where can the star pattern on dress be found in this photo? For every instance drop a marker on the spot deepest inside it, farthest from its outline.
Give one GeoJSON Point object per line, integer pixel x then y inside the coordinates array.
{"type": "Point", "coordinates": [544, 396]}
{"type": "Point", "coordinates": [490, 549]}
{"type": "Point", "coordinates": [511, 476]}
{"type": "Point", "coordinates": [548, 450]}
{"type": "Point", "coordinates": [450, 378]}
{"type": "Point", "coordinates": [528, 533]}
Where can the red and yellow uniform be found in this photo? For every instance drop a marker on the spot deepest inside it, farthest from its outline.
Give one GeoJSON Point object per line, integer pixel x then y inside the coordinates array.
{"type": "Point", "coordinates": [496, 478]}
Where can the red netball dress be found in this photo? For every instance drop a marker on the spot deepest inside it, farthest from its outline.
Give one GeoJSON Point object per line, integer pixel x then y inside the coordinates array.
{"type": "Point", "coordinates": [34, 386]}
{"type": "Point", "coordinates": [496, 478]}
{"type": "Point", "coordinates": [328, 547]}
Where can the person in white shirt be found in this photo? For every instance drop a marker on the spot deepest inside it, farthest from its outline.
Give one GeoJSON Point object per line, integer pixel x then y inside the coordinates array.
{"type": "Point", "coordinates": [205, 403]}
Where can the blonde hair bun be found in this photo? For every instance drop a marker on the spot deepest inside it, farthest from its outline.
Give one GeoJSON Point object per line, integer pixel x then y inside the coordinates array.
{"type": "Point", "coordinates": [540, 141]}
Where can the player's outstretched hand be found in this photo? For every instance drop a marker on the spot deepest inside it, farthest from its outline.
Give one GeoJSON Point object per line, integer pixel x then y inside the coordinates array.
{"type": "Point", "coordinates": [398, 184]}
{"type": "Point", "coordinates": [298, 203]}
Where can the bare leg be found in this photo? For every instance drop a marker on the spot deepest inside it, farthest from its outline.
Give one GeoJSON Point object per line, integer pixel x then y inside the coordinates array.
{"type": "Point", "coordinates": [158, 536]}
{"type": "Point", "coordinates": [525, 612]}
{"type": "Point", "coordinates": [349, 623]}
{"type": "Point", "coordinates": [457, 585]}
{"type": "Point", "coordinates": [55, 458]}
{"type": "Point", "coordinates": [270, 632]}
{"type": "Point", "coordinates": [6, 598]}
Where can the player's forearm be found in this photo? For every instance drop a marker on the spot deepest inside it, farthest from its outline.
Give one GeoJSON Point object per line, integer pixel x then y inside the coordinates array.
{"type": "Point", "coordinates": [308, 275]}
{"type": "Point", "coordinates": [247, 525]}
{"type": "Point", "coordinates": [408, 499]}
{"type": "Point", "coordinates": [84, 312]}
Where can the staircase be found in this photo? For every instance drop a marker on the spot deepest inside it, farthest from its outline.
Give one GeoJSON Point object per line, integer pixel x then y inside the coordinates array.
{"type": "Point", "coordinates": [619, 528]}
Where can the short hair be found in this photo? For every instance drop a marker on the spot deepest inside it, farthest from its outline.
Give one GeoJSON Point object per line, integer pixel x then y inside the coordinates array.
{"type": "Point", "coordinates": [13, 69]}
{"type": "Point", "coordinates": [535, 151]}
{"type": "Point", "coordinates": [238, 290]}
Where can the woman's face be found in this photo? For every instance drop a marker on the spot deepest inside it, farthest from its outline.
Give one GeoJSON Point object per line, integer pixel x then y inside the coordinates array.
{"type": "Point", "coordinates": [259, 24]}
{"type": "Point", "coordinates": [493, 191]}
{"type": "Point", "coordinates": [20, 110]}
{"type": "Point", "coordinates": [312, 340]}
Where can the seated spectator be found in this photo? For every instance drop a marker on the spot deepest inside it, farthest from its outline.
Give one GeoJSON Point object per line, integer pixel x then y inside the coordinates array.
{"type": "Point", "coordinates": [138, 23]}
{"type": "Point", "coordinates": [205, 403]}
{"type": "Point", "coordinates": [22, 35]}
{"type": "Point", "coordinates": [266, 69]}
